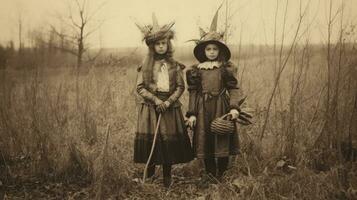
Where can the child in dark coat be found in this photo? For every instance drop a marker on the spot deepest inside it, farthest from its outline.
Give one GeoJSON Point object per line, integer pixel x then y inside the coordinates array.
{"type": "Point", "coordinates": [213, 92]}
{"type": "Point", "coordinates": [159, 85]}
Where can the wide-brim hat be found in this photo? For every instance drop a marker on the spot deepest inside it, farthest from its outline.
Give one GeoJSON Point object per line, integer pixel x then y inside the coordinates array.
{"type": "Point", "coordinates": [211, 37]}
{"type": "Point", "coordinates": [154, 32]}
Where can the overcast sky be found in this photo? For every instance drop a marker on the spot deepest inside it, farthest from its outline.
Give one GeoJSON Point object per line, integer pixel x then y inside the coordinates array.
{"type": "Point", "coordinates": [252, 22]}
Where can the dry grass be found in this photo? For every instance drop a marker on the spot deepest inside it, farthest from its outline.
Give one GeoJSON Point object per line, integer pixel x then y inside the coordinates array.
{"type": "Point", "coordinates": [44, 134]}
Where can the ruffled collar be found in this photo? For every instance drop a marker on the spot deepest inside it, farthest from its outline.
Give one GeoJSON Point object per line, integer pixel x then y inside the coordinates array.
{"type": "Point", "coordinates": [209, 65]}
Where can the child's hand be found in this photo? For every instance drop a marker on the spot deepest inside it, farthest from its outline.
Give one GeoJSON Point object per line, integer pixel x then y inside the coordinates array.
{"type": "Point", "coordinates": [192, 121]}
{"type": "Point", "coordinates": [234, 114]}
{"type": "Point", "coordinates": [163, 107]}
{"type": "Point", "coordinates": [158, 102]}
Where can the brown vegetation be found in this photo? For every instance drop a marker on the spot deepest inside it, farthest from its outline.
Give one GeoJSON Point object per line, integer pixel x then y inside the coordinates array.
{"type": "Point", "coordinates": [67, 133]}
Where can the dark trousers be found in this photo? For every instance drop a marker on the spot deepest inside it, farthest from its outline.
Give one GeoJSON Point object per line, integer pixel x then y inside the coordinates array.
{"type": "Point", "coordinates": [216, 167]}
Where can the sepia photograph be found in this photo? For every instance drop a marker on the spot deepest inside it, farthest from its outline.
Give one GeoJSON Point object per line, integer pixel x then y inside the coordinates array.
{"type": "Point", "coordinates": [178, 99]}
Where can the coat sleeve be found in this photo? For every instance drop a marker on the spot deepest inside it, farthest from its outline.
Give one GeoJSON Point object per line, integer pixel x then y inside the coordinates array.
{"type": "Point", "coordinates": [180, 84]}
{"type": "Point", "coordinates": [142, 91]}
{"type": "Point", "coordinates": [193, 83]}
{"type": "Point", "coordinates": [231, 83]}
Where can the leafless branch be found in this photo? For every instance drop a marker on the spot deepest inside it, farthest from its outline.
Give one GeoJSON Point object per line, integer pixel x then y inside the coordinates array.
{"type": "Point", "coordinates": [281, 69]}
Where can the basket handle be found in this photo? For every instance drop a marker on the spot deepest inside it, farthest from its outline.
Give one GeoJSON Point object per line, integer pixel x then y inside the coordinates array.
{"type": "Point", "coordinates": [225, 115]}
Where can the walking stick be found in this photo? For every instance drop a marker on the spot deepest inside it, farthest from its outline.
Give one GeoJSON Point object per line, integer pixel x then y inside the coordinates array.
{"type": "Point", "coordinates": [152, 148]}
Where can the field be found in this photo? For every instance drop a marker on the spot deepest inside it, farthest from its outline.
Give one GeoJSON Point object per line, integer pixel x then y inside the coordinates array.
{"type": "Point", "coordinates": [60, 141]}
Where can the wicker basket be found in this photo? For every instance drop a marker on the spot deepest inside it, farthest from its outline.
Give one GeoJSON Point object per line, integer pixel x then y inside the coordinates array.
{"type": "Point", "coordinates": [222, 125]}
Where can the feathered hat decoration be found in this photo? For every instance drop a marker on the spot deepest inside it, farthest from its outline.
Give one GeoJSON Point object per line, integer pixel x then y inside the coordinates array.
{"type": "Point", "coordinates": [154, 32]}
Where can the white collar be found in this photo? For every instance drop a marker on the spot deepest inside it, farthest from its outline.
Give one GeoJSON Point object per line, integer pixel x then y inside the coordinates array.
{"type": "Point", "coordinates": [209, 65]}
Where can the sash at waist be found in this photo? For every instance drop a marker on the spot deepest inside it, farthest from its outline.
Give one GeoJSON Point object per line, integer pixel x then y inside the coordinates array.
{"type": "Point", "coordinates": [210, 95]}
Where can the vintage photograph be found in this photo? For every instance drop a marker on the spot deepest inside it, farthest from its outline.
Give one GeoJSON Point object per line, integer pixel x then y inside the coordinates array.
{"type": "Point", "coordinates": [178, 99]}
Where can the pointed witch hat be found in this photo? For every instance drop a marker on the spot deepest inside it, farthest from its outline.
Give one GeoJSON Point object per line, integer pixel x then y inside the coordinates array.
{"type": "Point", "coordinates": [154, 32]}
{"type": "Point", "coordinates": [210, 37]}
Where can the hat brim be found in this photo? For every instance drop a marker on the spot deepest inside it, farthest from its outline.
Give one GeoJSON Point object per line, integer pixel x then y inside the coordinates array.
{"type": "Point", "coordinates": [199, 50]}
{"type": "Point", "coordinates": [150, 39]}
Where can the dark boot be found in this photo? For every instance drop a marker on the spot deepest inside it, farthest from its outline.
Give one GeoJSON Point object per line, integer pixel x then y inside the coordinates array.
{"type": "Point", "coordinates": [167, 181]}
{"type": "Point", "coordinates": [211, 171]}
{"type": "Point", "coordinates": [151, 171]}
{"type": "Point", "coordinates": [166, 170]}
{"type": "Point", "coordinates": [210, 166]}
{"type": "Point", "coordinates": [222, 166]}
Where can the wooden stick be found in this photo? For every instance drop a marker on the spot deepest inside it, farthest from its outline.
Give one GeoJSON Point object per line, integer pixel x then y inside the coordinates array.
{"type": "Point", "coordinates": [152, 148]}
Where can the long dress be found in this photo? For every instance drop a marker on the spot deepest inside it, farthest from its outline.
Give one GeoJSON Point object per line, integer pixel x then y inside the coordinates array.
{"type": "Point", "coordinates": [173, 144]}
{"type": "Point", "coordinates": [212, 93]}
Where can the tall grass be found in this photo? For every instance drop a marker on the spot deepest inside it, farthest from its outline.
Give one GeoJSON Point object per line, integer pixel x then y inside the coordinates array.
{"type": "Point", "coordinates": [41, 126]}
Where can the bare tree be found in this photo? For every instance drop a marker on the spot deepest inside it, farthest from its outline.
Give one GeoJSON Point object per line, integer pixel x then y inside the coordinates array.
{"type": "Point", "coordinates": [229, 25]}
{"type": "Point", "coordinates": [20, 31]}
{"type": "Point", "coordinates": [282, 64]}
{"type": "Point", "coordinates": [82, 24]}
{"type": "Point", "coordinates": [330, 48]}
